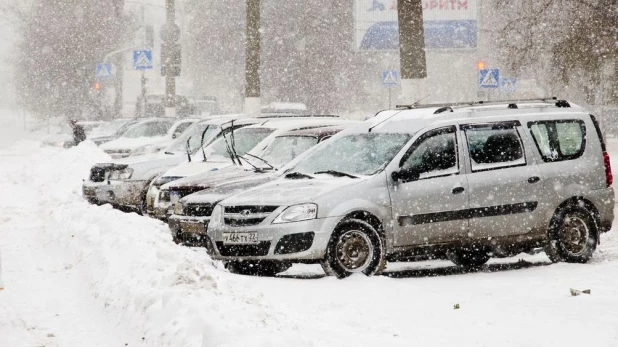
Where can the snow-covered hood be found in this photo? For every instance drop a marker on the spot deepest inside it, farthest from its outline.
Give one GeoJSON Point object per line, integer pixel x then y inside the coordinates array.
{"type": "Point", "coordinates": [285, 191]}
{"type": "Point", "coordinates": [213, 178]}
{"type": "Point", "coordinates": [147, 166]}
{"type": "Point", "coordinates": [190, 168]}
{"type": "Point", "coordinates": [123, 143]}
{"type": "Point", "coordinates": [228, 188]}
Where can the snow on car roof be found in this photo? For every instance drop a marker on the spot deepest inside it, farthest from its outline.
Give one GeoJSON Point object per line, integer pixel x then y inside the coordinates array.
{"type": "Point", "coordinates": [413, 120]}
{"type": "Point", "coordinates": [289, 124]}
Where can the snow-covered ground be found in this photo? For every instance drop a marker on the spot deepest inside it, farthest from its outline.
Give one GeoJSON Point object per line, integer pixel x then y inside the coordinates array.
{"type": "Point", "coordinates": [81, 275]}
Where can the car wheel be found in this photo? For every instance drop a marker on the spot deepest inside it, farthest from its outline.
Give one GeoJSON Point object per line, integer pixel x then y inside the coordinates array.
{"type": "Point", "coordinates": [257, 268]}
{"type": "Point", "coordinates": [573, 237]}
{"type": "Point", "coordinates": [469, 257]}
{"type": "Point", "coordinates": [354, 247]}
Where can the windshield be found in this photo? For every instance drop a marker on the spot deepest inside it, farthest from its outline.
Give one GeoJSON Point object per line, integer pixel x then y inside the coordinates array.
{"type": "Point", "coordinates": [150, 129]}
{"type": "Point", "coordinates": [356, 154]}
{"type": "Point", "coordinates": [285, 148]}
{"type": "Point", "coordinates": [245, 139]}
{"type": "Point", "coordinates": [195, 133]}
{"type": "Point", "coordinates": [109, 128]}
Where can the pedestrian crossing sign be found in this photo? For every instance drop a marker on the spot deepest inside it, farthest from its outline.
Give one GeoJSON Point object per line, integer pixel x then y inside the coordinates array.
{"type": "Point", "coordinates": [105, 71]}
{"type": "Point", "coordinates": [142, 59]}
{"type": "Point", "coordinates": [489, 78]}
{"type": "Point", "coordinates": [390, 78]}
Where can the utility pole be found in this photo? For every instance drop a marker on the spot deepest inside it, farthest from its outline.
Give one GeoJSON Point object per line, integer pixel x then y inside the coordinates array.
{"type": "Point", "coordinates": [412, 50]}
{"type": "Point", "coordinates": [252, 62]}
{"type": "Point", "coordinates": [170, 76]}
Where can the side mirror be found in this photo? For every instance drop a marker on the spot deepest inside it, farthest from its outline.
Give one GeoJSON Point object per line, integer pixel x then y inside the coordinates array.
{"type": "Point", "coordinates": [405, 175]}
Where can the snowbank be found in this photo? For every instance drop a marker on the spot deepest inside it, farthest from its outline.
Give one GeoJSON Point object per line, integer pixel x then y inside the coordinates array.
{"type": "Point", "coordinates": [169, 295]}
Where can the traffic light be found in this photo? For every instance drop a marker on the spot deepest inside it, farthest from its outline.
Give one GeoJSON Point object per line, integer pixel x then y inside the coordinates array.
{"type": "Point", "coordinates": [171, 55]}
{"type": "Point", "coordinates": [480, 64]}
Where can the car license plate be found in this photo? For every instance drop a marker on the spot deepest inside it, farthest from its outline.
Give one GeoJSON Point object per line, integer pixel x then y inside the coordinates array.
{"type": "Point", "coordinates": [192, 227]}
{"type": "Point", "coordinates": [240, 238]}
{"type": "Point", "coordinates": [89, 191]}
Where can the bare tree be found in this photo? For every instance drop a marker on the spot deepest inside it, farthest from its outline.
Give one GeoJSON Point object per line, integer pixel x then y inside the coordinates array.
{"type": "Point", "coordinates": [575, 42]}
{"type": "Point", "coordinates": [61, 42]}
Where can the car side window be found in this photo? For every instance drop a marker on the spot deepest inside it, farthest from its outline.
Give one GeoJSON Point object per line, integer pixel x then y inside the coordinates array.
{"type": "Point", "coordinates": [494, 146]}
{"type": "Point", "coordinates": [433, 154]}
{"type": "Point", "coordinates": [560, 139]}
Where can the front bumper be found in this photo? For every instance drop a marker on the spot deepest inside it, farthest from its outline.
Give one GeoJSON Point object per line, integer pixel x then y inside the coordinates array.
{"type": "Point", "coordinates": [190, 231]}
{"type": "Point", "coordinates": [310, 237]}
{"type": "Point", "coordinates": [94, 192]}
{"type": "Point", "coordinates": [127, 193]}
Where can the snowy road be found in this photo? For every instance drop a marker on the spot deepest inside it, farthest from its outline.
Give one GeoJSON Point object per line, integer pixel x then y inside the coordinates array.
{"type": "Point", "coordinates": [81, 275]}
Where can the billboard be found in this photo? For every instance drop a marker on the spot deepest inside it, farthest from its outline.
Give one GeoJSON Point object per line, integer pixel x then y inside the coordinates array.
{"type": "Point", "coordinates": [449, 24]}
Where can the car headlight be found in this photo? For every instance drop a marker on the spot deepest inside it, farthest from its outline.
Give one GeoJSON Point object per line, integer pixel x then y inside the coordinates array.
{"type": "Point", "coordinates": [297, 213]}
{"type": "Point", "coordinates": [216, 218]}
{"type": "Point", "coordinates": [164, 195]}
{"type": "Point", "coordinates": [179, 209]}
{"type": "Point", "coordinates": [123, 174]}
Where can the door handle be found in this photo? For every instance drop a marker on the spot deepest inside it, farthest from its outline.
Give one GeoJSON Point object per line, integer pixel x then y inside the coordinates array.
{"type": "Point", "coordinates": [533, 179]}
{"type": "Point", "coordinates": [458, 190]}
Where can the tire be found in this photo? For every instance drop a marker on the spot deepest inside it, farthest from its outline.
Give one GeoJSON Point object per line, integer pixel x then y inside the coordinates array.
{"type": "Point", "coordinates": [354, 247]}
{"type": "Point", "coordinates": [261, 268]}
{"type": "Point", "coordinates": [573, 236]}
{"type": "Point", "coordinates": [469, 257]}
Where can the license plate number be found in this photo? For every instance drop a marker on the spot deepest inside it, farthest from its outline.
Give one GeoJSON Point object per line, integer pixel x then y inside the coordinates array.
{"type": "Point", "coordinates": [192, 228]}
{"type": "Point", "coordinates": [89, 191]}
{"type": "Point", "coordinates": [240, 238]}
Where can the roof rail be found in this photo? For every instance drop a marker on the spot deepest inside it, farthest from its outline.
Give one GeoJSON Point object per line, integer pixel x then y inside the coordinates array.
{"type": "Point", "coordinates": [511, 104]}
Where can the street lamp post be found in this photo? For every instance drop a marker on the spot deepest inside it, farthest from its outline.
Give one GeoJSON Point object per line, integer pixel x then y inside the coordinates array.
{"type": "Point", "coordinates": [252, 63]}
{"type": "Point", "coordinates": [170, 78]}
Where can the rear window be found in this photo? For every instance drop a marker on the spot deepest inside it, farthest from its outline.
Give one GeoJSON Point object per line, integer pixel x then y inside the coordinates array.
{"type": "Point", "coordinates": [559, 140]}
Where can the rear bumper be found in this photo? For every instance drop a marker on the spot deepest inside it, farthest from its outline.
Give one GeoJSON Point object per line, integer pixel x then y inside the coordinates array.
{"type": "Point", "coordinates": [604, 201]}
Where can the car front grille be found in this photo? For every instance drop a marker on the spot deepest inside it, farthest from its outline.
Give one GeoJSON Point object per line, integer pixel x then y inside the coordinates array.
{"type": "Point", "coordinates": [240, 216]}
{"type": "Point", "coordinates": [198, 210]}
{"type": "Point", "coordinates": [257, 250]}
{"type": "Point", "coordinates": [97, 174]}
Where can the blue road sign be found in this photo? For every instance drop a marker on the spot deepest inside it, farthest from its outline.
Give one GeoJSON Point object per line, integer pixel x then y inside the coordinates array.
{"type": "Point", "coordinates": [390, 78]}
{"type": "Point", "coordinates": [142, 59]}
{"type": "Point", "coordinates": [105, 71]}
{"type": "Point", "coordinates": [508, 85]}
{"type": "Point", "coordinates": [489, 78]}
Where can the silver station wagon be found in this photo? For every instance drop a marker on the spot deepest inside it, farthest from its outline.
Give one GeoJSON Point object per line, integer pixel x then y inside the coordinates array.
{"type": "Point", "coordinates": [464, 182]}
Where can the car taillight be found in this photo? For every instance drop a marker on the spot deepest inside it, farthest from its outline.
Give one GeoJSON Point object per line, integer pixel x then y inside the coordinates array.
{"type": "Point", "coordinates": [609, 177]}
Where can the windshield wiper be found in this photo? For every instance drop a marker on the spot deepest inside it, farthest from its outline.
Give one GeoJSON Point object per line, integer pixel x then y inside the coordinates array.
{"type": "Point", "coordinates": [257, 169]}
{"type": "Point", "coordinates": [335, 173]}
{"type": "Point", "coordinates": [187, 147]}
{"type": "Point", "coordinates": [260, 159]}
{"type": "Point", "coordinates": [297, 175]}
{"type": "Point", "coordinates": [202, 143]}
